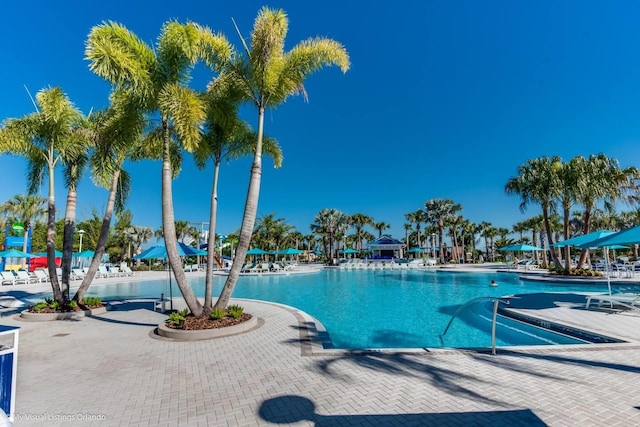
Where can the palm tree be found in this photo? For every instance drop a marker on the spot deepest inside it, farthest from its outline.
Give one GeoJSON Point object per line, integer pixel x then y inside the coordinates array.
{"type": "Point", "coordinates": [26, 208]}
{"type": "Point", "coordinates": [380, 226]}
{"type": "Point", "coordinates": [438, 212]}
{"type": "Point", "coordinates": [359, 220]}
{"type": "Point", "coordinates": [328, 224]}
{"type": "Point", "coordinates": [601, 179]}
{"type": "Point", "coordinates": [538, 182]}
{"type": "Point", "coordinates": [116, 133]}
{"type": "Point", "coordinates": [407, 228]}
{"type": "Point", "coordinates": [155, 77]}
{"type": "Point", "coordinates": [266, 76]}
{"type": "Point", "coordinates": [226, 138]}
{"type": "Point", "coordinates": [44, 137]}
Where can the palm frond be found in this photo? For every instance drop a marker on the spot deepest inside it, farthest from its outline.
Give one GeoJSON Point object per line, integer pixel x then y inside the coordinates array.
{"type": "Point", "coordinates": [186, 111]}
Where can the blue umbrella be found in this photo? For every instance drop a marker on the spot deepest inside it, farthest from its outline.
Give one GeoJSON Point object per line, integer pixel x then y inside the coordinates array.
{"type": "Point", "coordinates": [14, 253]}
{"type": "Point", "coordinates": [41, 254]}
{"type": "Point", "coordinates": [256, 251]}
{"type": "Point", "coordinates": [349, 251]}
{"type": "Point", "coordinates": [630, 236]}
{"type": "Point", "coordinates": [84, 254]}
{"type": "Point", "coordinates": [415, 250]}
{"type": "Point", "coordinates": [584, 239]}
{"type": "Point", "coordinates": [160, 251]}
{"type": "Point", "coordinates": [521, 247]}
{"type": "Point", "coordinates": [291, 251]}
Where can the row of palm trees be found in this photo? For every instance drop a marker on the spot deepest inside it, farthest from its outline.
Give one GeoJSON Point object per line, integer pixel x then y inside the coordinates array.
{"type": "Point", "coordinates": [155, 114]}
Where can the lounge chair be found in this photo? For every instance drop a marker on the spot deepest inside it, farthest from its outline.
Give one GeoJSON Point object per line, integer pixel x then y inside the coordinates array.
{"type": "Point", "coordinates": [41, 275]}
{"type": "Point", "coordinates": [127, 271]}
{"type": "Point", "coordinates": [24, 277]}
{"type": "Point", "coordinates": [8, 278]}
{"type": "Point", "coordinates": [630, 301]}
{"type": "Point", "coordinates": [77, 274]}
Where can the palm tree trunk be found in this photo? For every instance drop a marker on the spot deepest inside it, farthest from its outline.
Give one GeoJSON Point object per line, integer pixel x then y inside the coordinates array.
{"type": "Point", "coordinates": [169, 227]}
{"type": "Point", "coordinates": [211, 241]}
{"type": "Point", "coordinates": [67, 241]}
{"type": "Point", "coordinates": [51, 239]}
{"type": "Point", "coordinates": [587, 228]}
{"type": "Point", "coordinates": [102, 239]}
{"type": "Point", "coordinates": [547, 226]}
{"type": "Point", "coordinates": [248, 218]}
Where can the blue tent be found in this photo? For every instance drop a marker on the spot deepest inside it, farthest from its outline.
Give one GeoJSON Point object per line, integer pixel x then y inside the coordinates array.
{"type": "Point", "coordinates": [256, 251]}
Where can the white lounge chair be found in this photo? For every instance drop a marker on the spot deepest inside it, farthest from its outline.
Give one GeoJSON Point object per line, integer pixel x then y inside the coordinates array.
{"type": "Point", "coordinates": [41, 275]}
{"type": "Point", "coordinates": [8, 278]}
{"type": "Point", "coordinates": [630, 301]}
{"type": "Point", "coordinates": [24, 277]}
{"type": "Point", "coordinates": [77, 274]}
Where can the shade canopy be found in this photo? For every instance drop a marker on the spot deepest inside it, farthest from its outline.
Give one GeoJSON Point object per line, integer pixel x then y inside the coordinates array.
{"type": "Point", "coordinates": [630, 236]}
{"type": "Point", "coordinates": [291, 251]}
{"type": "Point", "coordinates": [349, 251]}
{"type": "Point", "coordinates": [415, 250]}
{"type": "Point", "coordinates": [160, 251]}
{"type": "Point", "coordinates": [584, 239]}
{"type": "Point", "coordinates": [256, 251]}
{"type": "Point", "coordinates": [84, 254]}
{"type": "Point", "coordinates": [58, 254]}
{"type": "Point", "coordinates": [521, 247]}
{"type": "Point", "coordinates": [14, 253]}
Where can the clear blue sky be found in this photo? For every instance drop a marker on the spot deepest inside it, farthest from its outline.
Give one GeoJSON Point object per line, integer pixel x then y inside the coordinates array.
{"type": "Point", "coordinates": [444, 99]}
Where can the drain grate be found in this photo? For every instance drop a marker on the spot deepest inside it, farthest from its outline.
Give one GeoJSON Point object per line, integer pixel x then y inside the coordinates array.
{"type": "Point", "coordinates": [60, 335]}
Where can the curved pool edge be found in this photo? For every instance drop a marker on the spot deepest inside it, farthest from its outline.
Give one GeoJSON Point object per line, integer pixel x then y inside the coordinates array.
{"type": "Point", "coordinates": [315, 341]}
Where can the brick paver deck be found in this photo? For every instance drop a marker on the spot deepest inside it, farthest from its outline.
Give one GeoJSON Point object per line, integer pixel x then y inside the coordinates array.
{"type": "Point", "coordinates": [112, 370]}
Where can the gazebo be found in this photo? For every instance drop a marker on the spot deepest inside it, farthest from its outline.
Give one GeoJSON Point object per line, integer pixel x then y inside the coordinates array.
{"type": "Point", "coordinates": [386, 247]}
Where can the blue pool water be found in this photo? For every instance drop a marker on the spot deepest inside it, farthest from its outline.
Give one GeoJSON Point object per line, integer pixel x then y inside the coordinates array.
{"type": "Point", "coordinates": [386, 309]}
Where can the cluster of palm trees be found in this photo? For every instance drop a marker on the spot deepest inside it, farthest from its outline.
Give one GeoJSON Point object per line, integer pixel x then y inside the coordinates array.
{"type": "Point", "coordinates": [155, 114]}
{"type": "Point", "coordinates": [591, 184]}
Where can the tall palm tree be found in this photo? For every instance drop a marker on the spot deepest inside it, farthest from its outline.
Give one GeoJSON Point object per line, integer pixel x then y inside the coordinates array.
{"type": "Point", "coordinates": [156, 78]}
{"type": "Point", "coordinates": [359, 220]}
{"type": "Point", "coordinates": [601, 179]}
{"type": "Point", "coordinates": [266, 76]}
{"type": "Point", "coordinates": [328, 224]}
{"type": "Point", "coordinates": [43, 138]}
{"type": "Point", "coordinates": [381, 226]}
{"type": "Point", "coordinates": [439, 212]}
{"type": "Point", "coordinates": [227, 138]}
{"type": "Point", "coordinates": [537, 182]}
{"type": "Point", "coordinates": [117, 133]}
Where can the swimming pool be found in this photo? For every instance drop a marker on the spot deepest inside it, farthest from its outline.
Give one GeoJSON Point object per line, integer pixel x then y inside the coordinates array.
{"type": "Point", "coordinates": [386, 309]}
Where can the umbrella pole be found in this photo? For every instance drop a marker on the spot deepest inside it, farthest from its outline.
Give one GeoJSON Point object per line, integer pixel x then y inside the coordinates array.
{"type": "Point", "coordinates": [606, 268]}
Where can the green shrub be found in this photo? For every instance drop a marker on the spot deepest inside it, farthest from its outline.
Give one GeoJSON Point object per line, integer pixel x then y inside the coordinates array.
{"type": "Point", "coordinates": [73, 304]}
{"type": "Point", "coordinates": [217, 314]}
{"type": "Point", "coordinates": [40, 306]}
{"type": "Point", "coordinates": [92, 301]}
{"type": "Point", "coordinates": [177, 318]}
{"type": "Point", "coordinates": [235, 311]}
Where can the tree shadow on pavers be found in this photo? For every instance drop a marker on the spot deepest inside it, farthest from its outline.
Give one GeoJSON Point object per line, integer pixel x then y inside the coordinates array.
{"type": "Point", "coordinates": [128, 305]}
{"type": "Point", "coordinates": [445, 379]}
{"type": "Point", "coordinates": [512, 365]}
{"type": "Point", "coordinates": [292, 409]}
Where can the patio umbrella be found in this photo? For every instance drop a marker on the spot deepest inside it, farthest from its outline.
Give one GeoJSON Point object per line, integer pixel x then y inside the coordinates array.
{"type": "Point", "coordinates": [349, 251]}
{"type": "Point", "coordinates": [84, 254]}
{"type": "Point", "coordinates": [256, 251]}
{"type": "Point", "coordinates": [290, 251]}
{"type": "Point", "coordinates": [583, 239]}
{"type": "Point", "coordinates": [630, 236]}
{"type": "Point", "coordinates": [14, 253]}
{"type": "Point", "coordinates": [58, 254]}
{"type": "Point", "coordinates": [523, 247]}
{"type": "Point", "coordinates": [415, 250]}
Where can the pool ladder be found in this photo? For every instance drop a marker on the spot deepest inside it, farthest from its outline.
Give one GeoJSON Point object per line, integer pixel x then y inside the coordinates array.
{"type": "Point", "coordinates": [496, 303]}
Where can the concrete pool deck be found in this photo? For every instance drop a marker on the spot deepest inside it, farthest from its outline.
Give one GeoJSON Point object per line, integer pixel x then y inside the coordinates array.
{"type": "Point", "coordinates": [112, 370]}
